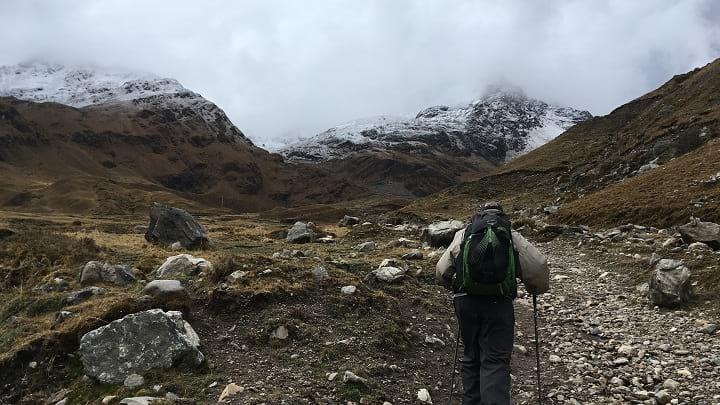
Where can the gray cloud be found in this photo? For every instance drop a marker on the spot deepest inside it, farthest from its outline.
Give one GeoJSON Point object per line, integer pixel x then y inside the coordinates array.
{"type": "Point", "coordinates": [284, 68]}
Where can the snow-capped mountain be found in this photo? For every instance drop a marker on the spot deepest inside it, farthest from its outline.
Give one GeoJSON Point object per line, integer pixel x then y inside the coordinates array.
{"type": "Point", "coordinates": [499, 126]}
{"type": "Point", "coordinates": [91, 86]}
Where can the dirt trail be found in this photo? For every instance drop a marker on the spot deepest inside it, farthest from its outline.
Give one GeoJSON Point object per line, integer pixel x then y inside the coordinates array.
{"type": "Point", "coordinates": [611, 346]}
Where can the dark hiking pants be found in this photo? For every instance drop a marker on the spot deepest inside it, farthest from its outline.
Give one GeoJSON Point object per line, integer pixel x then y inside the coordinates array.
{"type": "Point", "coordinates": [487, 331]}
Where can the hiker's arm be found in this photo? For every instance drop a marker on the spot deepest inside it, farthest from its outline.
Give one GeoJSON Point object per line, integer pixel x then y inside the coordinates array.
{"type": "Point", "coordinates": [535, 273]}
{"type": "Point", "coordinates": [445, 268]}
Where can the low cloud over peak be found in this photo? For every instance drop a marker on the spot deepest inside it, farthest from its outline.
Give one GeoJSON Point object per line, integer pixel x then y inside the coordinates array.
{"type": "Point", "coordinates": [282, 68]}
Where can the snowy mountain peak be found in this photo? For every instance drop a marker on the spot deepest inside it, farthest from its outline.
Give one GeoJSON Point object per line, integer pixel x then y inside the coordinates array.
{"type": "Point", "coordinates": [499, 126]}
{"type": "Point", "coordinates": [86, 86]}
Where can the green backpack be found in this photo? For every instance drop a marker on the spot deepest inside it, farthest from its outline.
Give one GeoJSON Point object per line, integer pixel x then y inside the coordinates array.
{"type": "Point", "coordinates": [488, 263]}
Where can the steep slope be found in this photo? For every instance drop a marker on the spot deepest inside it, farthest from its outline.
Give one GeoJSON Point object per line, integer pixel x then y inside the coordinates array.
{"type": "Point", "coordinates": [132, 141]}
{"type": "Point", "coordinates": [633, 165]}
{"type": "Point", "coordinates": [86, 86]}
{"type": "Point", "coordinates": [439, 146]}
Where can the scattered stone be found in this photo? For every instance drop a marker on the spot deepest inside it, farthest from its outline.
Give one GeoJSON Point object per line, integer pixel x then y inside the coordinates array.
{"type": "Point", "coordinates": [403, 242]}
{"type": "Point", "coordinates": [85, 294]}
{"type": "Point", "coordinates": [366, 247]}
{"type": "Point", "coordinates": [327, 239]}
{"type": "Point", "coordinates": [169, 225]}
{"type": "Point", "coordinates": [108, 399]}
{"type": "Point", "coordinates": [389, 274]}
{"type": "Point", "coordinates": [621, 361]}
{"type": "Point", "coordinates": [670, 283]}
{"type": "Point", "coordinates": [699, 246]}
{"type": "Point", "coordinates": [300, 232]}
{"type": "Point", "coordinates": [331, 376]}
{"type": "Point", "coordinates": [348, 289]}
{"type": "Point", "coordinates": [551, 209]}
{"type": "Point", "coordinates": [96, 272]}
{"type": "Point", "coordinates": [134, 381]}
{"type": "Point", "coordinates": [662, 397]}
{"type": "Point", "coordinates": [169, 295]}
{"type": "Point", "coordinates": [183, 265]}
{"type": "Point", "coordinates": [414, 255]}
{"type": "Point", "coordinates": [141, 401]}
{"type": "Point", "coordinates": [350, 377]}
{"type": "Point", "coordinates": [62, 316]}
{"type": "Point", "coordinates": [554, 358]}
{"type": "Point", "coordinates": [320, 273]}
{"type": "Point", "coordinates": [138, 343]}
{"type": "Point", "coordinates": [56, 284]}
{"type": "Point", "coordinates": [424, 396]}
{"type": "Point", "coordinates": [176, 246]}
{"type": "Point", "coordinates": [441, 233]}
{"type": "Point", "coordinates": [281, 333]}
{"type": "Point", "coordinates": [698, 231]}
{"type": "Point", "coordinates": [651, 165]}
{"type": "Point", "coordinates": [433, 340]}
{"type": "Point", "coordinates": [348, 221]}
{"type": "Point", "coordinates": [229, 391]}
{"type": "Point", "coordinates": [236, 275]}
{"type": "Point", "coordinates": [671, 384]}
{"type": "Point", "coordinates": [709, 329]}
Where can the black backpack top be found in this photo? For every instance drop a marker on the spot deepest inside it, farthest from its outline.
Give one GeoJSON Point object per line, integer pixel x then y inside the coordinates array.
{"type": "Point", "coordinates": [488, 262]}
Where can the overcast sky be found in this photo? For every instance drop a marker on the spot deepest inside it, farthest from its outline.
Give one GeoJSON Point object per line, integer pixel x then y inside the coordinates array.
{"type": "Point", "coordinates": [288, 68]}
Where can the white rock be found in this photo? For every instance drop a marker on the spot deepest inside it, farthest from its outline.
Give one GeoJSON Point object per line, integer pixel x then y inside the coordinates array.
{"type": "Point", "coordinates": [229, 391]}
{"type": "Point", "coordinates": [348, 289]}
{"type": "Point", "coordinates": [424, 396]}
{"type": "Point", "coordinates": [134, 381]}
{"type": "Point", "coordinates": [281, 332]}
{"type": "Point", "coordinates": [350, 377]}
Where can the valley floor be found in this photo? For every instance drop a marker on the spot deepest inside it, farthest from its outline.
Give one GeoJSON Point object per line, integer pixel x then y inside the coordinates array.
{"type": "Point", "coordinates": [601, 340]}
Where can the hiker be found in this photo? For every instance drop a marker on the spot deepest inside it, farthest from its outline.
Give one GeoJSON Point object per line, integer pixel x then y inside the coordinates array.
{"type": "Point", "coordinates": [480, 267]}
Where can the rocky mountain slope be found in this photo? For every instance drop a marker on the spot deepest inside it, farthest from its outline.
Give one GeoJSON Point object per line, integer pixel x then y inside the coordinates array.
{"type": "Point", "coordinates": [90, 86]}
{"type": "Point", "coordinates": [440, 145]}
{"type": "Point", "coordinates": [653, 160]}
{"type": "Point", "coordinates": [120, 140]}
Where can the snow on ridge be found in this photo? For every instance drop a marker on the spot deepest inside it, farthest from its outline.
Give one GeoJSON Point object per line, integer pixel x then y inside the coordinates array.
{"type": "Point", "coordinates": [500, 125]}
{"type": "Point", "coordinates": [85, 86]}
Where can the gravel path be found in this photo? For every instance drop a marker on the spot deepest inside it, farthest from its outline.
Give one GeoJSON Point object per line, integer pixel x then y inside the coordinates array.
{"type": "Point", "coordinates": [602, 342]}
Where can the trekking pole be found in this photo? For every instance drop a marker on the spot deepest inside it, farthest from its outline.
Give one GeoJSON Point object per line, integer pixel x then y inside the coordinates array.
{"type": "Point", "coordinates": [452, 371]}
{"type": "Point", "coordinates": [537, 349]}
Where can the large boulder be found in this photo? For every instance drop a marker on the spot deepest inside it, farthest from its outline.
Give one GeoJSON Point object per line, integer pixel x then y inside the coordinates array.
{"type": "Point", "coordinates": [97, 272]}
{"type": "Point", "coordinates": [441, 234]}
{"type": "Point", "coordinates": [300, 233]}
{"type": "Point", "coordinates": [169, 225]}
{"type": "Point", "coordinates": [137, 343]}
{"type": "Point", "coordinates": [183, 265]}
{"type": "Point", "coordinates": [670, 283]}
{"type": "Point", "coordinates": [698, 231]}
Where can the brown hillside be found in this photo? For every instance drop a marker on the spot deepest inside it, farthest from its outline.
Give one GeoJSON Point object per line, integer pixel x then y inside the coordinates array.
{"type": "Point", "coordinates": [117, 159]}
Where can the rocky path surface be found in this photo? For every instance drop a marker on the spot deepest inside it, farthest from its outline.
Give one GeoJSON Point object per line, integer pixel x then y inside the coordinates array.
{"type": "Point", "coordinates": [602, 342]}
